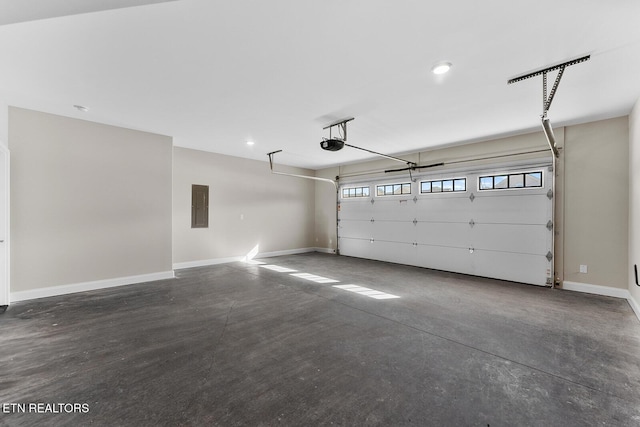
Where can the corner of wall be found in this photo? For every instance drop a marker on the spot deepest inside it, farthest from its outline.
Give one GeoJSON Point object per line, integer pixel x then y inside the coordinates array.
{"type": "Point", "coordinates": [634, 205]}
{"type": "Point", "coordinates": [4, 124]}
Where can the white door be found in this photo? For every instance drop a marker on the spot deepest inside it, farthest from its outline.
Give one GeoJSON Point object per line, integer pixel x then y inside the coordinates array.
{"type": "Point", "coordinates": [4, 225]}
{"type": "Point", "coordinates": [502, 232]}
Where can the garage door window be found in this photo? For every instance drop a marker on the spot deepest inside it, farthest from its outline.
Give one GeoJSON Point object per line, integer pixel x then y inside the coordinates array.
{"type": "Point", "coordinates": [513, 180]}
{"type": "Point", "coordinates": [443, 186]}
{"type": "Point", "coordinates": [393, 189]}
{"type": "Point", "coordinates": [355, 192]}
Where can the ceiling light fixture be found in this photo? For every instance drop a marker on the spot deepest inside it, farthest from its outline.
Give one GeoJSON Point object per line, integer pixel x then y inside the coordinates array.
{"type": "Point", "coordinates": [441, 68]}
{"type": "Point", "coordinates": [81, 108]}
{"type": "Point", "coordinates": [250, 143]}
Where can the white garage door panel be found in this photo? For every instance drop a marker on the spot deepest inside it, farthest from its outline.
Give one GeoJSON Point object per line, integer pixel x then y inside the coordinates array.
{"type": "Point", "coordinates": [443, 234]}
{"type": "Point", "coordinates": [456, 209]}
{"type": "Point", "coordinates": [394, 211]}
{"type": "Point", "coordinates": [532, 239]}
{"type": "Point", "coordinates": [457, 260]}
{"type": "Point", "coordinates": [356, 229]}
{"type": "Point", "coordinates": [355, 210]}
{"type": "Point", "coordinates": [394, 231]}
{"type": "Point", "coordinates": [512, 208]}
{"type": "Point", "coordinates": [355, 247]}
{"type": "Point", "coordinates": [401, 253]}
{"type": "Point", "coordinates": [513, 267]}
{"type": "Point", "coordinates": [496, 233]}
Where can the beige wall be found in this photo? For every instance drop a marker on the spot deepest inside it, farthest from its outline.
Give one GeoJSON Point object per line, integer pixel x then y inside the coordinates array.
{"type": "Point", "coordinates": [634, 201]}
{"type": "Point", "coordinates": [89, 202]}
{"type": "Point", "coordinates": [597, 202]}
{"type": "Point", "coordinates": [249, 206]}
{"type": "Point", "coordinates": [591, 223]}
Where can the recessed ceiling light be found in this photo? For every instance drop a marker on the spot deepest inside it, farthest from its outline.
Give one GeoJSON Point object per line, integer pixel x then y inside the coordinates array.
{"type": "Point", "coordinates": [81, 108]}
{"type": "Point", "coordinates": [441, 67]}
{"type": "Point", "coordinates": [250, 143]}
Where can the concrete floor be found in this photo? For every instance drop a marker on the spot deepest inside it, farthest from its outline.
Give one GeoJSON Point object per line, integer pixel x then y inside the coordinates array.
{"type": "Point", "coordinates": [240, 344]}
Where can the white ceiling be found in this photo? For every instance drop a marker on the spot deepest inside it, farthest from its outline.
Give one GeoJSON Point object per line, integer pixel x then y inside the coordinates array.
{"type": "Point", "coordinates": [214, 74]}
{"type": "Point", "coordinates": [12, 11]}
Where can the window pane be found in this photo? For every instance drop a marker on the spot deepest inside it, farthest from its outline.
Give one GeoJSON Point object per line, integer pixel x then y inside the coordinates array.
{"type": "Point", "coordinates": [500, 181]}
{"type": "Point", "coordinates": [345, 192]}
{"type": "Point", "coordinates": [397, 189]}
{"type": "Point", "coordinates": [436, 186]}
{"type": "Point", "coordinates": [380, 190]}
{"type": "Point", "coordinates": [406, 188]}
{"type": "Point", "coordinates": [359, 192]}
{"type": "Point", "coordinates": [516, 181]}
{"type": "Point", "coordinates": [486, 183]}
{"type": "Point", "coordinates": [388, 189]}
{"type": "Point", "coordinates": [447, 185]}
{"type": "Point", "coordinates": [460, 185]}
{"type": "Point", "coordinates": [365, 192]}
{"type": "Point", "coordinates": [425, 187]}
{"type": "Point", "coordinates": [533, 179]}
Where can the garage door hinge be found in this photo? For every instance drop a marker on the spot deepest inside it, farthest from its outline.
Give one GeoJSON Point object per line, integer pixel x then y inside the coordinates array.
{"type": "Point", "coordinates": [372, 201]}
{"type": "Point", "coordinates": [415, 221]}
{"type": "Point", "coordinates": [550, 225]}
{"type": "Point", "coordinates": [472, 197]}
{"type": "Point", "coordinates": [373, 220]}
{"type": "Point", "coordinates": [549, 256]}
{"type": "Point", "coordinates": [550, 194]}
{"type": "Point", "coordinates": [472, 223]}
{"type": "Point", "coordinates": [415, 243]}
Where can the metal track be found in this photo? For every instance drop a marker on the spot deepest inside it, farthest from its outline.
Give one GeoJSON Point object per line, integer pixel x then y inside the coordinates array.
{"type": "Point", "coordinates": [548, 69]}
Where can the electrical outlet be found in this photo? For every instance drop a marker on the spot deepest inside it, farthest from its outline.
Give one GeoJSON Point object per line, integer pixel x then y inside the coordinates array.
{"type": "Point", "coordinates": [583, 268]}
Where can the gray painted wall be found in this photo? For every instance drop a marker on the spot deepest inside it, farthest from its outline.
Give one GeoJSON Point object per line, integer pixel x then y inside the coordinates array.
{"type": "Point", "coordinates": [89, 202]}
{"type": "Point", "coordinates": [249, 206]}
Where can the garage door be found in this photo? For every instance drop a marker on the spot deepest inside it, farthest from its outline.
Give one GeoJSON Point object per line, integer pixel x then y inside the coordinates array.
{"type": "Point", "coordinates": [494, 222]}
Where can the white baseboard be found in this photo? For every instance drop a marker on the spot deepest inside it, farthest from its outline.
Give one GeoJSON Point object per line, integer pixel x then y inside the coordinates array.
{"type": "Point", "coordinates": [634, 305]}
{"type": "Point", "coordinates": [285, 252]}
{"type": "Point", "coordinates": [215, 261]}
{"type": "Point", "coordinates": [88, 286]}
{"type": "Point", "coordinates": [205, 262]}
{"type": "Point", "coordinates": [603, 290]}
{"type": "Point", "coordinates": [596, 289]}
{"type": "Point", "coordinates": [325, 250]}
